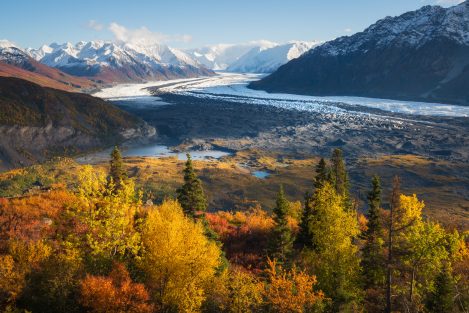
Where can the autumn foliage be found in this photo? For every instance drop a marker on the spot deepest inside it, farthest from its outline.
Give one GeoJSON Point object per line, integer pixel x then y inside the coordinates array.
{"type": "Point", "coordinates": [96, 247]}
{"type": "Point", "coordinates": [290, 291]}
{"type": "Point", "coordinates": [179, 260]}
{"type": "Point", "coordinates": [114, 293]}
{"type": "Point", "coordinates": [245, 235]}
{"type": "Point", "coordinates": [31, 217]}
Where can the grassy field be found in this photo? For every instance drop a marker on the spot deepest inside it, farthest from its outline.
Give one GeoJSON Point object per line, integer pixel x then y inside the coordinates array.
{"type": "Point", "coordinates": [230, 185]}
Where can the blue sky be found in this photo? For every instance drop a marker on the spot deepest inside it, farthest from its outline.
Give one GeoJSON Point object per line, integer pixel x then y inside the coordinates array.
{"type": "Point", "coordinates": [187, 24]}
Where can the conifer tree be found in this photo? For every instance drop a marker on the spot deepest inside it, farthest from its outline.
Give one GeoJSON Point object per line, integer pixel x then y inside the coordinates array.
{"type": "Point", "coordinates": [304, 238]}
{"type": "Point", "coordinates": [374, 202]}
{"type": "Point", "coordinates": [117, 172]}
{"type": "Point", "coordinates": [395, 206]}
{"type": "Point", "coordinates": [441, 299]}
{"type": "Point", "coordinates": [191, 194]}
{"type": "Point", "coordinates": [282, 238]}
{"type": "Point", "coordinates": [339, 177]}
{"type": "Point", "coordinates": [373, 259]}
{"type": "Point", "coordinates": [322, 174]}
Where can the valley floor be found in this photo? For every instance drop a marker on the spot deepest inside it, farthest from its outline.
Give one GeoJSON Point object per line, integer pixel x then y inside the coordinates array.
{"type": "Point", "coordinates": [426, 144]}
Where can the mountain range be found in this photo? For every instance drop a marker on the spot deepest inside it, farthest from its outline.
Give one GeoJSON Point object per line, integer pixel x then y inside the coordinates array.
{"type": "Point", "coordinates": [253, 57]}
{"type": "Point", "coordinates": [267, 60]}
{"type": "Point", "coordinates": [220, 56]}
{"type": "Point", "coordinates": [88, 65]}
{"type": "Point", "coordinates": [119, 62]}
{"type": "Point", "coordinates": [14, 62]}
{"type": "Point", "coordinates": [421, 55]}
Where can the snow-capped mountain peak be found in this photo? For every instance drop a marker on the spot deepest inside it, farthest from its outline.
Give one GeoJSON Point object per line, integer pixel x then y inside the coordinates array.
{"type": "Point", "coordinates": [421, 55]}
{"type": "Point", "coordinates": [122, 61]}
{"type": "Point", "coordinates": [270, 59]}
{"type": "Point", "coordinates": [221, 56]}
{"type": "Point", "coordinates": [6, 44]}
{"type": "Point", "coordinates": [104, 53]}
{"type": "Point", "coordinates": [297, 48]}
{"type": "Point", "coordinates": [412, 29]}
{"type": "Point", "coordinates": [10, 53]}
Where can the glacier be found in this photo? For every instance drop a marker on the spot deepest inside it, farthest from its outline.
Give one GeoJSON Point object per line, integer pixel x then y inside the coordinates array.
{"type": "Point", "coordinates": [232, 87]}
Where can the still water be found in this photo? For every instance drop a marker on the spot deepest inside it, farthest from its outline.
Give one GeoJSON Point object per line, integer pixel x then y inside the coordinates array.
{"type": "Point", "coordinates": [261, 174]}
{"type": "Point", "coordinates": [160, 151]}
{"type": "Point", "coordinates": [155, 151]}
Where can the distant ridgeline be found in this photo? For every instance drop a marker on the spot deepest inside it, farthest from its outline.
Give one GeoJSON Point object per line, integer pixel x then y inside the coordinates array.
{"type": "Point", "coordinates": [421, 55]}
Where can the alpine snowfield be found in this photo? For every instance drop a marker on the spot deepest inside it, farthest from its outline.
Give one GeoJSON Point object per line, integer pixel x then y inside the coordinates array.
{"type": "Point", "coordinates": [233, 87]}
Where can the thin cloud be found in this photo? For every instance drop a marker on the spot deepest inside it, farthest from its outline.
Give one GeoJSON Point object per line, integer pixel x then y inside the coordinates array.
{"type": "Point", "coordinates": [95, 25]}
{"type": "Point", "coordinates": [348, 30]}
{"type": "Point", "coordinates": [449, 2]}
{"type": "Point", "coordinates": [143, 36]}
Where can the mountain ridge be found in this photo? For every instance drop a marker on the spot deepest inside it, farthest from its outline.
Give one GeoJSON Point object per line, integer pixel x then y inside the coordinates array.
{"type": "Point", "coordinates": [119, 62]}
{"type": "Point", "coordinates": [420, 55]}
{"type": "Point", "coordinates": [14, 62]}
{"type": "Point", "coordinates": [221, 56]}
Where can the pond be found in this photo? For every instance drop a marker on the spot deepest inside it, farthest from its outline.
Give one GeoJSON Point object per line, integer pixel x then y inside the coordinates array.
{"type": "Point", "coordinates": [261, 174]}
{"type": "Point", "coordinates": [155, 151]}
{"type": "Point", "coordinates": [160, 151]}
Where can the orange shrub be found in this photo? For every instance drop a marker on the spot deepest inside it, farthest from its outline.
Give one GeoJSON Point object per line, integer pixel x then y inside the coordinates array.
{"type": "Point", "coordinates": [245, 235]}
{"type": "Point", "coordinates": [116, 293]}
{"type": "Point", "coordinates": [290, 291]}
{"type": "Point", "coordinates": [31, 217]}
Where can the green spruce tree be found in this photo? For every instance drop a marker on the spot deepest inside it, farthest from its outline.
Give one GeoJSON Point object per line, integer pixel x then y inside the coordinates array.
{"type": "Point", "coordinates": [374, 202]}
{"type": "Point", "coordinates": [304, 239]}
{"type": "Point", "coordinates": [395, 204]}
{"type": "Point", "coordinates": [322, 174]}
{"type": "Point", "coordinates": [191, 194]}
{"type": "Point", "coordinates": [373, 260]}
{"type": "Point", "coordinates": [442, 298]}
{"type": "Point", "coordinates": [282, 240]}
{"type": "Point", "coordinates": [117, 172]}
{"type": "Point", "coordinates": [339, 177]}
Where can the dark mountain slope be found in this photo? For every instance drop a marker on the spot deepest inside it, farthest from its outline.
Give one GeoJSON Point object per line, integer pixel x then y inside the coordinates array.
{"type": "Point", "coordinates": [37, 123]}
{"type": "Point", "coordinates": [421, 55]}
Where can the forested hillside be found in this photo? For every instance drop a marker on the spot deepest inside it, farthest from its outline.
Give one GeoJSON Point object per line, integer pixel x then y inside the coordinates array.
{"type": "Point", "coordinates": [93, 242]}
